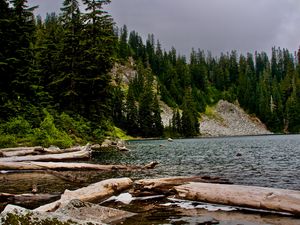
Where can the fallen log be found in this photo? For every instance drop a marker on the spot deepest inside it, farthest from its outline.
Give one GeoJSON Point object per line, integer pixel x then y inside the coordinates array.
{"type": "Point", "coordinates": [26, 199]}
{"type": "Point", "coordinates": [68, 166]}
{"type": "Point", "coordinates": [244, 196]}
{"type": "Point", "coordinates": [84, 153]}
{"type": "Point", "coordinates": [165, 185]}
{"type": "Point", "coordinates": [20, 151]}
{"type": "Point", "coordinates": [39, 151]}
{"type": "Point", "coordinates": [92, 193]}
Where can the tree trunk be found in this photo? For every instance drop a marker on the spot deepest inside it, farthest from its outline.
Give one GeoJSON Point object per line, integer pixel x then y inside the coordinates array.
{"type": "Point", "coordinates": [92, 193]}
{"type": "Point", "coordinates": [26, 199]}
{"type": "Point", "coordinates": [84, 153]}
{"type": "Point", "coordinates": [244, 196]}
{"type": "Point", "coordinates": [166, 185]}
{"type": "Point", "coordinates": [66, 166]}
{"type": "Point", "coordinates": [11, 152]}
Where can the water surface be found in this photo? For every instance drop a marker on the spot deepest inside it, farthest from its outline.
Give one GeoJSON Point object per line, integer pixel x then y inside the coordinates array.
{"type": "Point", "coordinates": [269, 161]}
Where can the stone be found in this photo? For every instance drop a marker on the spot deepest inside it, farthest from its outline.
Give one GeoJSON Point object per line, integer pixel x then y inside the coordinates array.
{"type": "Point", "coordinates": [82, 210]}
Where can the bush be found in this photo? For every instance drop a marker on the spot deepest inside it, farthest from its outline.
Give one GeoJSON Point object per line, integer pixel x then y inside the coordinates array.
{"type": "Point", "coordinates": [17, 126]}
{"type": "Point", "coordinates": [7, 141]}
{"type": "Point", "coordinates": [48, 134]}
{"type": "Point", "coordinates": [78, 127]}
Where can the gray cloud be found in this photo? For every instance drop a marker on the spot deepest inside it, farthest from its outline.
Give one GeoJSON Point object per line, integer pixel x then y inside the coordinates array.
{"type": "Point", "coordinates": [216, 25]}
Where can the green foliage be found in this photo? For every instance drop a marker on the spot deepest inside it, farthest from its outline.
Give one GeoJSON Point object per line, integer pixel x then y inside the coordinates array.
{"type": "Point", "coordinates": [17, 126]}
{"type": "Point", "coordinates": [48, 134]}
{"type": "Point", "coordinates": [7, 140]}
{"type": "Point", "coordinates": [62, 64]}
{"type": "Point", "coordinates": [13, 219]}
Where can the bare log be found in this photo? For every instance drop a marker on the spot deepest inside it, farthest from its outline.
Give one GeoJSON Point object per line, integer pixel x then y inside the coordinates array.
{"type": "Point", "coordinates": [243, 196]}
{"type": "Point", "coordinates": [67, 166]}
{"type": "Point", "coordinates": [165, 185]}
{"type": "Point", "coordinates": [26, 199]}
{"type": "Point", "coordinates": [92, 193]}
{"type": "Point", "coordinates": [84, 153]}
{"type": "Point", "coordinates": [23, 151]}
{"type": "Point", "coordinates": [20, 149]}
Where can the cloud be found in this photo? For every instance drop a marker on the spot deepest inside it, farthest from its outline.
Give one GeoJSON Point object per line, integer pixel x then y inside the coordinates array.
{"type": "Point", "coordinates": [215, 25]}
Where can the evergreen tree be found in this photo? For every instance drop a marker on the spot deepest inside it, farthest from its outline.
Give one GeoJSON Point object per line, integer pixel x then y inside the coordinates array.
{"type": "Point", "coordinates": [98, 49]}
{"type": "Point", "coordinates": [158, 127]}
{"type": "Point", "coordinates": [132, 125]}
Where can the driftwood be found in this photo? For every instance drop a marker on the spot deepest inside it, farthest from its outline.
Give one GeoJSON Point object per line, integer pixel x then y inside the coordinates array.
{"type": "Point", "coordinates": [165, 185]}
{"type": "Point", "coordinates": [26, 199]}
{"type": "Point", "coordinates": [92, 193]}
{"type": "Point", "coordinates": [11, 152]}
{"type": "Point", "coordinates": [21, 149]}
{"type": "Point", "coordinates": [243, 196]}
{"type": "Point", "coordinates": [84, 153]}
{"type": "Point", "coordinates": [68, 166]}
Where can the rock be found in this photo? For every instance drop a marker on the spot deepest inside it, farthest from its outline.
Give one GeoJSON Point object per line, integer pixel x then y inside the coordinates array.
{"type": "Point", "coordinates": [96, 147]}
{"type": "Point", "coordinates": [75, 211]}
{"type": "Point", "coordinates": [83, 210]}
{"type": "Point", "coordinates": [199, 220]}
{"type": "Point", "coordinates": [108, 144]}
{"type": "Point", "coordinates": [229, 119]}
{"type": "Point", "coordinates": [11, 214]}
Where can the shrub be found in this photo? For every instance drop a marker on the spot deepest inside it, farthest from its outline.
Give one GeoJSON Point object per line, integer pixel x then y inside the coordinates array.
{"type": "Point", "coordinates": [47, 134]}
{"type": "Point", "coordinates": [16, 126]}
{"type": "Point", "coordinates": [7, 141]}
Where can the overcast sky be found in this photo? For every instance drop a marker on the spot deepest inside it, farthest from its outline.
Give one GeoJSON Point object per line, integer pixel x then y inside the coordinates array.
{"type": "Point", "coordinates": [215, 25]}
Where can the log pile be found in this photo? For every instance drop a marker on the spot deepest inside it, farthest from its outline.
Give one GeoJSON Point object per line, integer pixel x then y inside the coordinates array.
{"type": "Point", "coordinates": [39, 158]}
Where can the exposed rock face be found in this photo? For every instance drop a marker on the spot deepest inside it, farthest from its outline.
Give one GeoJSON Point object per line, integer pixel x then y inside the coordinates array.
{"type": "Point", "coordinates": [166, 113]}
{"type": "Point", "coordinates": [230, 120]}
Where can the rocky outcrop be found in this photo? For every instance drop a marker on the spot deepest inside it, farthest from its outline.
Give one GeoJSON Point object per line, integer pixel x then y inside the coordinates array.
{"type": "Point", "coordinates": [227, 119]}
{"type": "Point", "coordinates": [75, 212]}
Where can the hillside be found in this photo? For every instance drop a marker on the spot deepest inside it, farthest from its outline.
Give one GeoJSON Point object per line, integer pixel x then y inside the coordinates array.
{"type": "Point", "coordinates": [227, 119]}
{"type": "Point", "coordinates": [224, 119]}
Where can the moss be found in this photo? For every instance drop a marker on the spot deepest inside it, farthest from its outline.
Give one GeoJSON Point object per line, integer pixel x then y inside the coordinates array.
{"type": "Point", "coordinates": [211, 113]}
{"type": "Point", "coordinates": [13, 219]}
{"type": "Point", "coordinates": [118, 133]}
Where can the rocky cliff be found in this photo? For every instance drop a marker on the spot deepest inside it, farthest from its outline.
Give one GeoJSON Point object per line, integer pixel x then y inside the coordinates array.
{"type": "Point", "coordinates": [227, 119]}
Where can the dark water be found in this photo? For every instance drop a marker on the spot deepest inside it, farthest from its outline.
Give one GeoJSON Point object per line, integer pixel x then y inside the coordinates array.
{"type": "Point", "coordinates": [270, 161]}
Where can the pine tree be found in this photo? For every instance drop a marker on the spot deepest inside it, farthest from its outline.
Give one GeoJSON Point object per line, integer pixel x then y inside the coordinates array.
{"type": "Point", "coordinates": [132, 125]}
{"type": "Point", "coordinates": [158, 127]}
{"type": "Point", "coordinates": [16, 56]}
{"type": "Point", "coordinates": [124, 50]}
{"type": "Point", "coordinates": [98, 49]}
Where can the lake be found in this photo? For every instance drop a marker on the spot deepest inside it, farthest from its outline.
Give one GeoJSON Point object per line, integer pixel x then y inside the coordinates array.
{"type": "Point", "coordinates": [269, 161]}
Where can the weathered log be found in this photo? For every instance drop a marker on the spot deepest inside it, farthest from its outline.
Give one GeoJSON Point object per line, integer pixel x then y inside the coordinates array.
{"type": "Point", "coordinates": [244, 196]}
{"type": "Point", "coordinates": [68, 166]}
{"type": "Point", "coordinates": [37, 151]}
{"type": "Point", "coordinates": [165, 185]}
{"type": "Point", "coordinates": [92, 193]}
{"type": "Point", "coordinates": [84, 153]}
{"type": "Point", "coordinates": [26, 199]}
{"type": "Point", "coordinates": [20, 151]}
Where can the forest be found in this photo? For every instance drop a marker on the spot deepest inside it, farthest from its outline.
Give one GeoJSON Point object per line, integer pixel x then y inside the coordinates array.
{"type": "Point", "coordinates": [56, 87]}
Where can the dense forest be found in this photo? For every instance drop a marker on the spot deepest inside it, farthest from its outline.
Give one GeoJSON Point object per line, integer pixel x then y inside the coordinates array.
{"type": "Point", "coordinates": [56, 87]}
